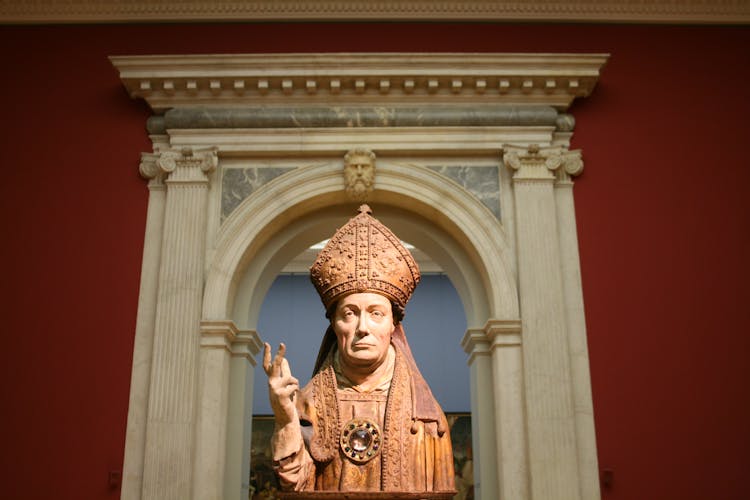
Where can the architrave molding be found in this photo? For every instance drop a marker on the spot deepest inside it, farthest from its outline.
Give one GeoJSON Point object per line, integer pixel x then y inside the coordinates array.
{"type": "Point", "coordinates": [170, 81]}
{"type": "Point", "coordinates": [594, 11]}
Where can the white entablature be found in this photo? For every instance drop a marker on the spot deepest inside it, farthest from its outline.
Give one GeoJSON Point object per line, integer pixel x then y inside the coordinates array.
{"type": "Point", "coordinates": [348, 79]}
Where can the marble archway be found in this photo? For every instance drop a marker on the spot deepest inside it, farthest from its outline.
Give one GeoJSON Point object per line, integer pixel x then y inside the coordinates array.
{"type": "Point", "coordinates": [473, 160]}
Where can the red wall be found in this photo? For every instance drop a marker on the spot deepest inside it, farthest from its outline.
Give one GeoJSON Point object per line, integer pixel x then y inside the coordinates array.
{"type": "Point", "coordinates": [663, 219]}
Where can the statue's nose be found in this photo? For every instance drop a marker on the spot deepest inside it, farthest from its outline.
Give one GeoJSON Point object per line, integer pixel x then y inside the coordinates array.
{"type": "Point", "coordinates": [363, 328]}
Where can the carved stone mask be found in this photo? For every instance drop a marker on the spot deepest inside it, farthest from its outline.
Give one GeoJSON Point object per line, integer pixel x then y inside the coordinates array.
{"type": "Point", "coordinates": [359, 173]}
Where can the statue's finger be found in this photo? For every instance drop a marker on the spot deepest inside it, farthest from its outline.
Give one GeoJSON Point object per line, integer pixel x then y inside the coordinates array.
{"type": "Point", "coordinates": [285, 370]}
{"type": "Point", "coordinates": [276, 367]}
{"type": "Point", "coordinates": [267, 358]}
{"type": "Point", "coordinates": [287, 381]}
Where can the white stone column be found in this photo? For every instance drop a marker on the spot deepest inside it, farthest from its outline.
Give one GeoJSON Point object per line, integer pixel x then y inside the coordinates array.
{"type": "Point", "coordinates": [223, 428]}
{"type": "Point", "coordinates": [483, 439]}
{"type": "Point", "coordinates": [240, 417]}
{"type": "Point", "coordinates": [550, 419]}
{"type": "Point", "coordinates": [507, 374]}
{"type": "Point", "coordinates": [588, 467]}
{"type": "Point", "coordinates": [135, 440]}
{"type": "Point", "coordinates": [170, 431]}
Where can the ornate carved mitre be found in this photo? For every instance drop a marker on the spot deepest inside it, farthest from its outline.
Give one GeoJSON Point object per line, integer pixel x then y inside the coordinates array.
{"type": "Point", "coordinates": [364, 256]}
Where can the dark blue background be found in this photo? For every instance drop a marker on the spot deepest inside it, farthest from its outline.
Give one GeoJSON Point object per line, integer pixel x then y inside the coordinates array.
{"type": "Point", "coordinates": [434, 324]}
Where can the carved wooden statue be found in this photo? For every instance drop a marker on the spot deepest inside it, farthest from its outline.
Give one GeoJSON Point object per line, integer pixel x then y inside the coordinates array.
{"type": "Point", "coordinates": [367, 422]}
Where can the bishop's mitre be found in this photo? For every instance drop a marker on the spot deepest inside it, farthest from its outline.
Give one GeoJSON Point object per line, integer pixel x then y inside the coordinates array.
{"type": "Point", "coordinates": [364, 256]}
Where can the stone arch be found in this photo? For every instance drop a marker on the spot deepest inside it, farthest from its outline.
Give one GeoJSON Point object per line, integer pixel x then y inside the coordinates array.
{"type": "Point", "coordinates": [305, 205]}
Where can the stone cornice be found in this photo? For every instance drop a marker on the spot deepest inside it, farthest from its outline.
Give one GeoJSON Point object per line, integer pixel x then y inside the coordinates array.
{"type": "Point", "coordinates": [653, 11]}
{"type": "Point", "coordinates": [359, 79]}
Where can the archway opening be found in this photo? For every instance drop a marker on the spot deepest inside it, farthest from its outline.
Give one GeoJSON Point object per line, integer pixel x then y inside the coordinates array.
{"type": "Point", "coordinates": [283, 239]}
{"type": "Point", "coordinates": [459, 233]}
{"type": "Point", "coordinates": [435, 320]}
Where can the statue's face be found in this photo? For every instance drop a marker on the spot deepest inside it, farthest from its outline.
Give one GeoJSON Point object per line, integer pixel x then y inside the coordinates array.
{"type": "Point", "coordinates": [363, 324]}
{"type": "Point", "coordinates": [359, 174]}
{"type": "Point", "coordinates": [359, 168]}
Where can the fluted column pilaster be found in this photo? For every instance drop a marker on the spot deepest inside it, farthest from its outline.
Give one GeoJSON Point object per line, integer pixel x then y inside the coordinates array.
{"type": "Point", "coordinates": [170, 429]}
{"type": "Point", "coordinates": [135, 440]}
{"type": "Point", "coordinates": [588, 467]}
{"type": "Point", "coordinates": [485, 447]}
{"type": "Point", "coordinates": [507, 373]}
{"type": "Point", "coordinates": [550, 419]}
{"type": "Point", "coordinates": [223, 428]}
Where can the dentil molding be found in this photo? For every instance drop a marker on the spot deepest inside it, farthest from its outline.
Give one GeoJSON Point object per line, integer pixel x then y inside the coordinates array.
{"type": "Point", "coordinates": [639, 11]}
{"type": "Point", "coordinates": [166, 82]}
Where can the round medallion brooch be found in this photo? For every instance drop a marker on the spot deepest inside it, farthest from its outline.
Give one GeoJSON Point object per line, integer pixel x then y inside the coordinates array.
{"type": "Point", "coordinates": [361, 439]}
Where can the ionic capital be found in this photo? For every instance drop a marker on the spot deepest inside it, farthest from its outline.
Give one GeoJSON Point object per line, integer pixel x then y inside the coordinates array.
{"type": "Point", "coordinates": [149, 170]}
{"type": "Point", "coordinates": [535, 163]}
{"type": "Point", "coordinates": [186, 165]}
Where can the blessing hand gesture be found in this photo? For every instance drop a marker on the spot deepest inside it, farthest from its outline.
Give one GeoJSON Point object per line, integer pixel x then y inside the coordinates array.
{"type": "Point", "coordinates": [281, 385]}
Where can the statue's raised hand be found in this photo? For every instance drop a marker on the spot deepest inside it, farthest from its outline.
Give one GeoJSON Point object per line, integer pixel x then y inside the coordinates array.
{"type": "Point", "coordinates": [281, 385]}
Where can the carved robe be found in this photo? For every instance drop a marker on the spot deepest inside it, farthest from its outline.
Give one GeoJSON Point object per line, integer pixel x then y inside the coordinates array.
{"type": "Point", "coordinates": [416, 453]}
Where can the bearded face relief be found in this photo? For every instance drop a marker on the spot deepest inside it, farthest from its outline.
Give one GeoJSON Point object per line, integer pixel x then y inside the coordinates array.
{"type": "Point", "coordinates": [359, 173]}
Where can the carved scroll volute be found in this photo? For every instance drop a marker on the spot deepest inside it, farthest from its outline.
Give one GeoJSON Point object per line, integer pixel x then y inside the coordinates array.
{"type": "Point", "coordinates": [185, 165]}
{"type": "Point", "coordinates": [536, 163]}
{"type": "Point", "coordinates": [569, 164]}
{"type": "Point", "coordinates": [150, 170]}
